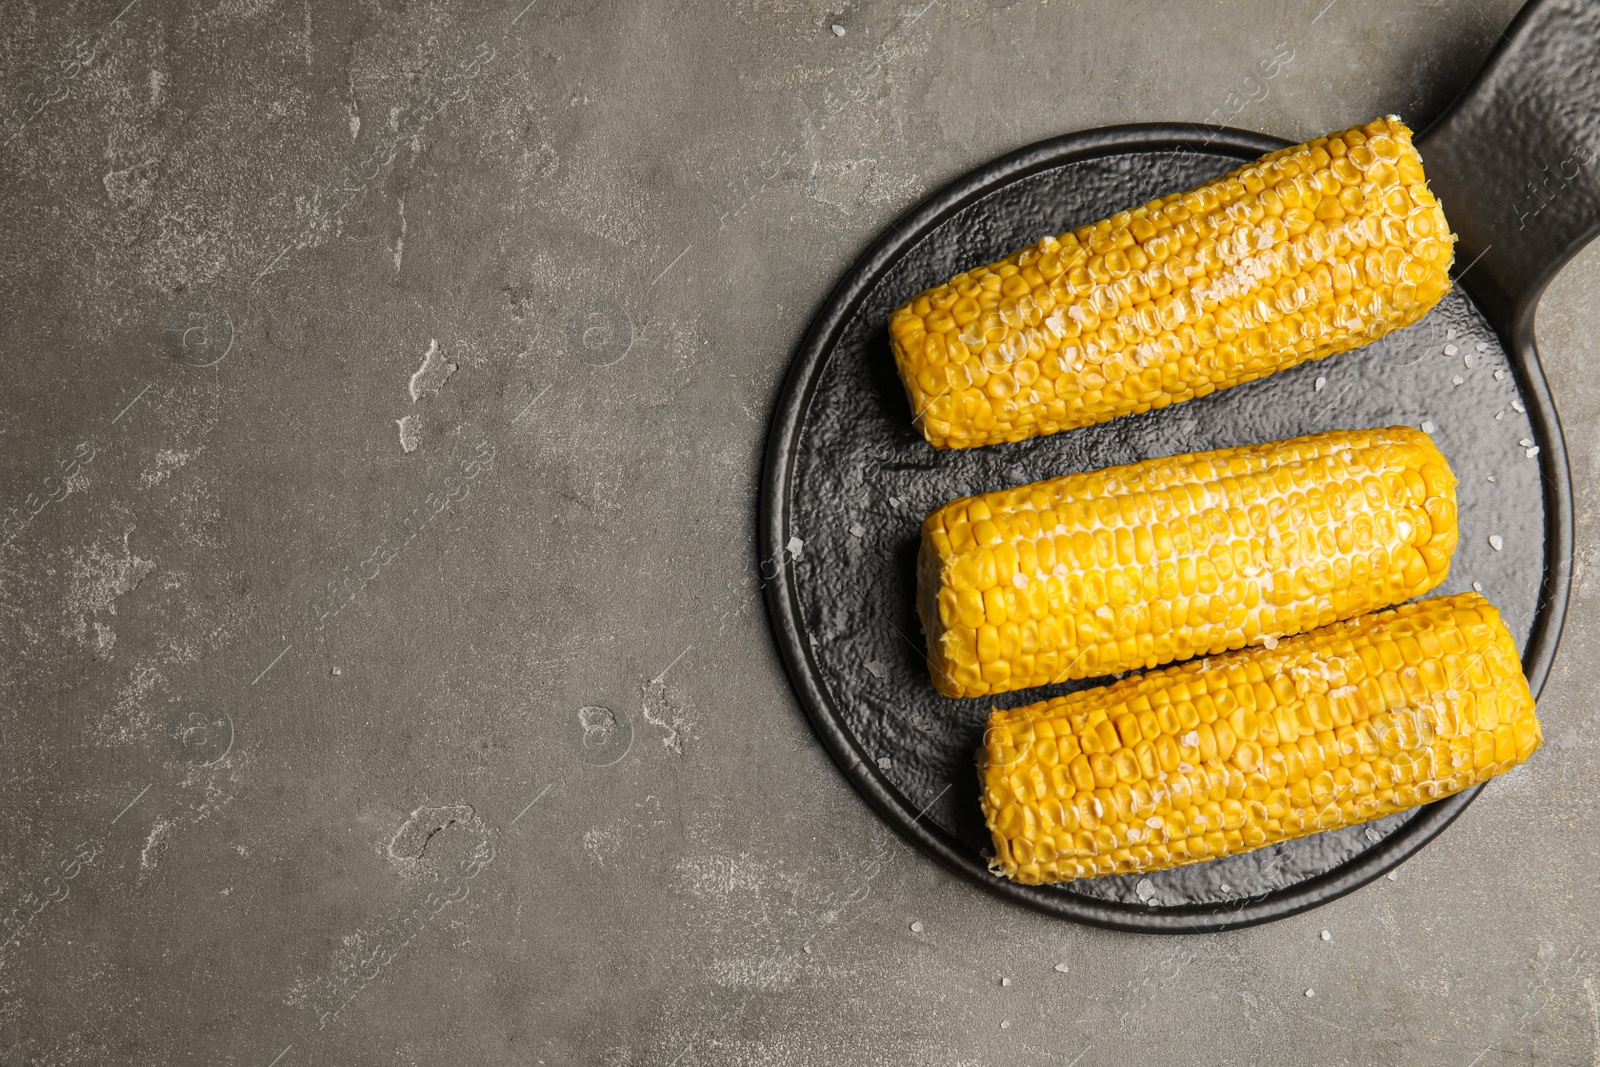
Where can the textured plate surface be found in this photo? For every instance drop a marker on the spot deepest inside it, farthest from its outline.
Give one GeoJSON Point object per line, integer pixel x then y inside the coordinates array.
{"type": "Point", "coordinates": [848, 481]}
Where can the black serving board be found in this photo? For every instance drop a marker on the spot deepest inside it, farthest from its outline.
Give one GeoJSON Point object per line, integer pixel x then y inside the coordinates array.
{"type": "Point", "coordinates": [848, 481]}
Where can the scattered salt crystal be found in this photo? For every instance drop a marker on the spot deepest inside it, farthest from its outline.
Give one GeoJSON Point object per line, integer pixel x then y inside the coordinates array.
{"type": "Point", "coordinates": [1311, 992]}
{"type": "Point", "coordinates": [1225, 887]}
{"type": "Point", "coordinates": [857, 530]}
{"type": "Point", "coordinates": [1517, 405]}
{"type": "Point", "coordinates": [337, 672]}
{"type": "Point", "coordinates": [795, 546]}
{"type": "Point", "coordinates": [1456, 379]}
{"type": "Point", "coordinates": [1525, 443]}
{"type": "Point", "coordinates": [1145, 890]}
{"type": "Point", "coordinates": [1394, 876]}
{"type": "Point", "coordinates": [1495, 542]}
{"type": "Point", "coordinates": [1477, 587]}
{"type": "Point", "coordinates": [1489, 476]}
{"type": "Point", "coordinates": [878, 669]}
{"type": "Point", "coordinates": [1326, 936]}
{"type": "Point", "coordinates": [1530, 453]}
{"type": "Point", "coordinates": [1061, 967]}
{"type": "Point", "coordinates": [1320, 383]}
{"type": "Point", "coordinates": [884, 763]}
{"type": "Point", "coordinates": [1482, 347]}
{"type": "Point", "coordinates": [916, 927]}
{"type": "Point", "coordinates": [1373, 835]}
{"type": "Point", "coordinates": [1499, 415]}
{"type": "Point", "coordinates": [1466, 360]}
{"type": "Point", "coordinates": [1427, 427]}
{"type": "Point", "coordinates": [1005, 981]}
{"type": "Point", "coordinates": [1499, 375]}
{"type": "Point", "coordinates": [808, 949]}
{"type": "Point", "coordinates": [838, 30]}
{"type": "Point", "coordinates": [1450, 332]}
{"type": "Point", "coordinates": [1449, 350]}
{"type": "Point", "coordinates": [1005, 1024]}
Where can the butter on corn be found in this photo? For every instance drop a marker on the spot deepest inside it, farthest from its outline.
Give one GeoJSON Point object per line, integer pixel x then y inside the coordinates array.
{"type": "Point", "coordinates": [1143, 564]}
{"type": "Point", "coordinates": [1214, 757]}
{"type": "Point", "coordinates": [1308, 251]}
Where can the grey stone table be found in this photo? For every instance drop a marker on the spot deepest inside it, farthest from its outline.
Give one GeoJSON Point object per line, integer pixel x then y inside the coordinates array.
{"type": "Point", "coordinates": [383, 672]}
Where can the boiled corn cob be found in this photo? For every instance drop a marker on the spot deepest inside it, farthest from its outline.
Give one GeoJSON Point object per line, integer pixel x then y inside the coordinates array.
{"type": "Point", "coordinates": [1306, 252]}
{"type": "Point", "coordinates": [1139, 565]}
{"type": "Point", "coordinates": [1354, 721]}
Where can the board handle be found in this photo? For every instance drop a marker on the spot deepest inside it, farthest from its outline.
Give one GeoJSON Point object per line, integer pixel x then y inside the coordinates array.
{"type": "Point", "coordinates": [1516, 158]}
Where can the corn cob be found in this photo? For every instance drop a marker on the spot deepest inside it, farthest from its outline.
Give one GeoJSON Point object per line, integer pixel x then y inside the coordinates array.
{"type": "Point", "coordinates": [1210, 758]}
{"type": "Point", "coordinates": [1306, 252]}
{"type": "Point", "coordinates": [1139, 565]}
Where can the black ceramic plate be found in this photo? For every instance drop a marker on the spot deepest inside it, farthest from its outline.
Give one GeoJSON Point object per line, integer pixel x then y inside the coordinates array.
{"type": "Point", "coordinates": [848, 481]}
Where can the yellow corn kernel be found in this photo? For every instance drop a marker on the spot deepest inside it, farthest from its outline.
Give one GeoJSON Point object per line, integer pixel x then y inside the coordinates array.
{"type": "Point", "coordinates": [1211, 802]}
{"type": "Point", "coordinates": [1308, 251]}
{"type": "Point", "coordinates": [1243, 546]}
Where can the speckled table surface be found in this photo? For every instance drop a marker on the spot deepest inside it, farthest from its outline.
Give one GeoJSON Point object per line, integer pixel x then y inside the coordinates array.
{"type": "Point", "coordinates": [383, 671]}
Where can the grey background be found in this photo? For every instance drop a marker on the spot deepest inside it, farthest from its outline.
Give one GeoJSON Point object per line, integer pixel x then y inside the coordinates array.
{"type": "Point", "coordinates": [239, 825]}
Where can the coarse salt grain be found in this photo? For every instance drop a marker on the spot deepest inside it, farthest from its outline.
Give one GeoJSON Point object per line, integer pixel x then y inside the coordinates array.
{"type": "Point", "coordinates": [1495, 542]}
{"type": "Point", "coordinates": [916, 927]}
{"type": "Point", "coordinates": [1427, 426]}
{"type": "Point", "coordinates": [1449, 350]}
{"type": "Point", "coordinates": [1320, 383]}
{"type": "Point", "coordinates": [1517, 405]}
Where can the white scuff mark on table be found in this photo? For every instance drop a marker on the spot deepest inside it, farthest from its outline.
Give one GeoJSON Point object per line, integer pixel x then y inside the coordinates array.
{"type": "Point", "coordinates": [600, 844]}
{"type": "Point", "coordinates": [167, 461]}
{"type": "Point", "coordinates": [410, 432]}
{"type": "Point", "coordinates": [399, 252]}
{"type": "Point", "coordinates": [410, 841]}
{"type": "Point", "coordinates": [664, 710]}
{"type": "Point", "coordinates": [434, 370]}
{"type": "Point", "coordinates": [1593, 998]}
{"type": "Point", "coordinates": [155, 844]}
{"type": "Point", "coordinates": [96, 578]}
